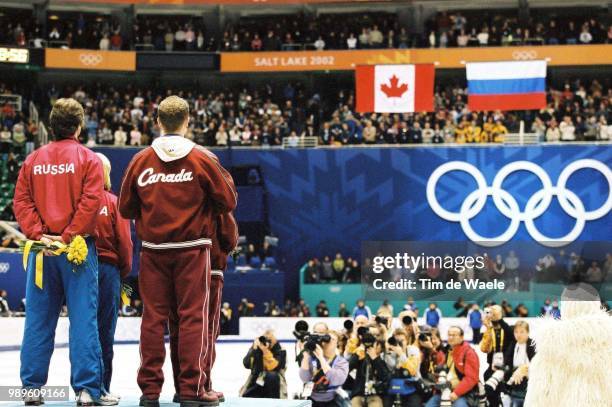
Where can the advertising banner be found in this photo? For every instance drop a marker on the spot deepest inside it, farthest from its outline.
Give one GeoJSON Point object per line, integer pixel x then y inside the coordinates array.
{"type": "Point", "coordinates": [90, 59]}
{"type": "Point", "coordinates": [558, 55]}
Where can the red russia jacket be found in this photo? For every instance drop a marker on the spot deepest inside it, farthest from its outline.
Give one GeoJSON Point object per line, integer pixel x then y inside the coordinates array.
{"type": "Point", "coordinates": [114, 241]}
{"type": "Point", "coordinates": [175, 190]}
{"type": "Point", "coordinates": [59, 190]}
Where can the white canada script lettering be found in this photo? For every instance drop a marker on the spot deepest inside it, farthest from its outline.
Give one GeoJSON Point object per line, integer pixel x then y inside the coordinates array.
{"type": "Point", "coordinates": [148, 177]}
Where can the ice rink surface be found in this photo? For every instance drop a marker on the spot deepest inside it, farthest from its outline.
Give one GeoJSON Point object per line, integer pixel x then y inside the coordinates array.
{"type": "Point", "coordinates": [228, 373]}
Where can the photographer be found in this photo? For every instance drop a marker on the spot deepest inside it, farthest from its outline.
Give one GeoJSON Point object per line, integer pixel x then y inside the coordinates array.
{"type": "Point", "coordinates": [496, 340]}
{"type": "Point", "coordinates": [266, 360]}
{"type": "Point", "coordinates": [517, 358]}
{"type": "Point", "coordinates": [403, 359]}
{"type": "Point", "coordinates": [372, 376]}
{"type": "Point", "coordinates": [461, 382]}
{"type": "Point", "coordinates": [324, 371]}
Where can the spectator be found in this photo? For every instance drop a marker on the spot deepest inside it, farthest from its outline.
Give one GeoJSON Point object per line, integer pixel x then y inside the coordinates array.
{"type": "Point", "coordinates": [104, 43]}
{"type": "Point", "coordinates": [553, 133]}
{"type": "Point", "coordinates": [338, 265]}
{"type": "Point", "coordinates": [327, 271]}
{"type": "Point", "coordinates": [266, 360]}
{"type": "Point", "coordinates": [120, 137]}
{"type": "Point", "coordinates": [433, 315]}
{"type": "Point", "coordinates": [322, 310]}
{"type": "Point", "coordinates": [5, 311]}
{"type": "Point", "coordinates": [135, 137]}
{"type": "Point", "coordinates": [474, 317]}
{"type": "Point", "coordinates": [319, 44]}
{"type": "Point", "coordinates": [343, 312]}
{"type": "Point", "coordinates": [376, 37]}
{"type": "Point", "coordinates": [245, 308]}
{"type": "Point", "coordinates": [226, 318]}
{"type": "Point", "coordinates": [351, 42]}
{"type": "Point", "coordinates": [361, 309]}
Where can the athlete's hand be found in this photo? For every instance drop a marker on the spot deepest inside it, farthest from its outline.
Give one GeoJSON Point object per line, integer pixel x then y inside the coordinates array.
{"type": "Point", "coordinates": [48, 241]}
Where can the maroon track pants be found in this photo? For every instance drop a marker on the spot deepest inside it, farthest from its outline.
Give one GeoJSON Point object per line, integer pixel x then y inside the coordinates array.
{"type": "Point", "coordinates": [216, 288]}
{"type": "Point", "coordinates": [175, 282]}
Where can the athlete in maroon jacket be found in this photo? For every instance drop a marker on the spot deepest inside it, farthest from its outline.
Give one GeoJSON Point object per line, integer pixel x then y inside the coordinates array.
{"type": "Point", "coordinates": [224, 241]}
{"type": "Point", "coordinates": [114, 246]}
{"type": "Point", "coordinates": [175, 190]}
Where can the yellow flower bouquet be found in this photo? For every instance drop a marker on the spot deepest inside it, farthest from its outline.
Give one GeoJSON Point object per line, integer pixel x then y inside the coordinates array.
{"type": "Point", "coordinates": [76, 253]}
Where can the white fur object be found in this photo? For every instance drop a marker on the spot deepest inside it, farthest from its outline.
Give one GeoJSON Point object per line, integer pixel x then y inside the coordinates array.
{"type": "Point", "coordinates": [573, 359]}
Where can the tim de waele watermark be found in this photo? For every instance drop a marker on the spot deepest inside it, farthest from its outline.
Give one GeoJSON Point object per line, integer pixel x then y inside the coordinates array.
{"type": "Point", "coordinates": [411, 263]}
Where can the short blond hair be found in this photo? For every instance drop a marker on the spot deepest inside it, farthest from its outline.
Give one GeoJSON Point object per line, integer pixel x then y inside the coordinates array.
{"type": "Point", "coordinates": [66, 116]}
{"type": "Point", "coordinates": [172, 113]}
{"type": "Point", "coordinates": [106, 166]}
{"type": "Point", "coordinates": [522, 324]}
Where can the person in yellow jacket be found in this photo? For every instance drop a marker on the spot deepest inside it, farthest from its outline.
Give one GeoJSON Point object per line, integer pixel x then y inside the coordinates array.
{"type": "Point", "coordinates": [499, 131]}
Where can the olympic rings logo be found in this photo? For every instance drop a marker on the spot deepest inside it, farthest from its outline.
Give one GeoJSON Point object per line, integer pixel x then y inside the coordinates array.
{"type": "Point", "coordinates": [537, 204]}
{"type": "Point", "coordinates": [90, 59]}
{"type": "Point", "coordinates": [524, 55]}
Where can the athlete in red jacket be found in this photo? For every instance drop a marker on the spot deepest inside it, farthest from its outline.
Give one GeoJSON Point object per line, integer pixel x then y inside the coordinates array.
{"type": "Point", "coordinates": [114, 246]}
{"type": "Point", "coordinates": [224, 241]}
{"type": "Point", "coordinates": [57, 197]}
{"type": "Point", "coordinates": [175, 190]}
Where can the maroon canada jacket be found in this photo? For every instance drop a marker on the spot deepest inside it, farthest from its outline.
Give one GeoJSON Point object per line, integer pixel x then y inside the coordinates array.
{"type": "Point", "coordinates": [114, 241]}
{"type": "Point", "coordinates": [59, 190]}
{"type": "Point", "coordinates": [175, 190]}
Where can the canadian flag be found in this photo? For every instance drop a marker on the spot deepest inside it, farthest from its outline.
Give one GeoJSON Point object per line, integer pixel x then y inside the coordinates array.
{"type": "Point", "coordinates": [395, 88]}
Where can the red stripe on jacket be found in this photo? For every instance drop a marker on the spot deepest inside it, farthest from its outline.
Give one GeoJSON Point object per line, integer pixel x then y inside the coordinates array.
{"type": "Point", "coordinates": [58, 191]}
{"type": "Point", "coordinates": [114, 241]}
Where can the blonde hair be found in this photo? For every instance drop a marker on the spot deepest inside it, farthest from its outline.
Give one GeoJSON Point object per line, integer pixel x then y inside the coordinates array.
{"type": "Point", "coordinates": [106, 165]}
{"type": "Point", "coordinates": [172, 113]}
{"type": "Point", "coordinates": [521, 324]}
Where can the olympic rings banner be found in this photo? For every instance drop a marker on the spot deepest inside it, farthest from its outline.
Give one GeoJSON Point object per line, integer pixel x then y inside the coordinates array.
{"type": "Point", "coordinates": [442, 57]}
{"type": "Point", "coordinates": [90, 59]}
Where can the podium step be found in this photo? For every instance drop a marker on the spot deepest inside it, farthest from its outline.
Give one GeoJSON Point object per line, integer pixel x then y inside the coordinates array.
{"type": "Point", "coordinates": [229, 402]}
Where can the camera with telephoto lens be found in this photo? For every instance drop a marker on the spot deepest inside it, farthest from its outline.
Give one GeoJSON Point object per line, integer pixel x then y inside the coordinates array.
{"type": "Point", "coordinates": [365, 337]}
{"type": "Point", "coordinates": [445, 388]}
{"type": "Point", "coordinates": [499, 371]}
{"type": "Point", "coordinates": [301, 330]}
{"type": "Point", "coordinates": [348, 326]}
{"type": "Point", "coordinates": [312, 340]}
{"type": "Point", "coordinates": [392, 341]}
{"type": "Point", "coordinates": [263, 340]}
{"type": "Point", "coordinates": [424, 336]}
{"type": "Point", "coordinates": [407, 320]}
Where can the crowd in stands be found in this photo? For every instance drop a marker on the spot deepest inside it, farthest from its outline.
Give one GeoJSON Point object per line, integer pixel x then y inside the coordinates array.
{"type": "Point", "coordinates": [576, 111]}
{"type": "Point", "coordinates": [307, 31]}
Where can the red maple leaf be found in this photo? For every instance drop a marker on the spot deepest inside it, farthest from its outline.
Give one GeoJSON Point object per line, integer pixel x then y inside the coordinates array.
{"type": "Point", "coordinates": [394, 91]}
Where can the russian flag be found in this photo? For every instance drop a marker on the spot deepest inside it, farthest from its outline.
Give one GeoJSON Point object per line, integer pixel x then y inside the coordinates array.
{"type": "Point", "coordinates": [513, 85]}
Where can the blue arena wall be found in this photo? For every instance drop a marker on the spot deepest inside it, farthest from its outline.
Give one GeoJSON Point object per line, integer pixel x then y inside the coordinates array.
{"type": "Point", "coordinates": [326, 200]}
